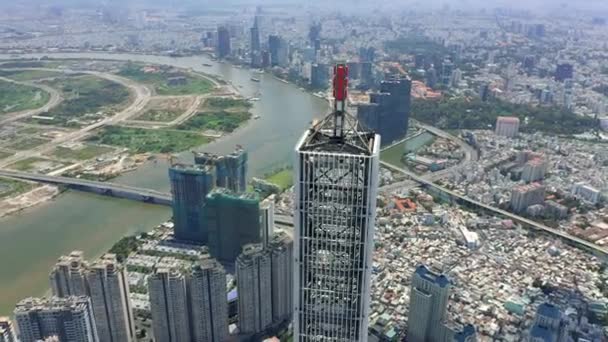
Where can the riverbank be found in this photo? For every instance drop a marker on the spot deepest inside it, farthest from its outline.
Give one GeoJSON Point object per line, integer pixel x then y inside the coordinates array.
{"type": "Point", "coordinates": [28, 199]}
{"type": "Point", "coordinates": [35, 238]}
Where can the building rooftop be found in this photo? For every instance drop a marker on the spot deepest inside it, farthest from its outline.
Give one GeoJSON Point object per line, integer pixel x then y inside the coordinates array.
{"type": "Point", "coordinates": [427, 274]}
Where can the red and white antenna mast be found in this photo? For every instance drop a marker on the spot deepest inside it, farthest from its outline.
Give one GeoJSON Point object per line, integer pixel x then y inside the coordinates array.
{"type": "Point", "coordinates": [340, 96]}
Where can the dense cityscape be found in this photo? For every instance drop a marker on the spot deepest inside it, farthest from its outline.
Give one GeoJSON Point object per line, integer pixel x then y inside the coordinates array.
{"type": "Point", "coordinates": [287, 171]}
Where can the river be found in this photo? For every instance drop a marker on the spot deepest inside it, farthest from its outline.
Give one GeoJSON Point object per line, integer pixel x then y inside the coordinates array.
{"type": "Point", "coordinates": [32, 240]}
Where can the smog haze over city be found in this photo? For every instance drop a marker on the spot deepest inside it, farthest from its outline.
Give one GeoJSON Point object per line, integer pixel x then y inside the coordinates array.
{"type": "Point", "coordinates": [282, 170]}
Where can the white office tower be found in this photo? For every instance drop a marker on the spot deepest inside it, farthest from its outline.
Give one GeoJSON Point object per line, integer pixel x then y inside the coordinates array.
{"type": "Point", "coordinates": [7, 333]}
{"type": "Point", "coordinates": [281, 249]}
{"type": "Point", "coordinates": [208, 302]}
{"type": "Point", "coordinates": [69, 319]}
{"type": "Point", "coordinates": [429, 296]}
{"type": "Point", "coordinates": [109, 292]}
{"type": "Point", "coordinates": [68, 276]}
{"type": "Point", "coordinates": [169, 305]}
{"type": "Point", "coordinates": [336, 182]}
{"type": "Point", "coordinates": [253, 275]}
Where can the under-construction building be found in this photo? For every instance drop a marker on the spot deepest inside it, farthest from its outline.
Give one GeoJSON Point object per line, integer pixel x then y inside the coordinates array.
{"type": "Point", "coordinates": [336, 182]}
{"type": "Point", "coordinates": [190, 185]}
{"type": "Point", "coordinates": [230, 169]}
{"type": "Point", "coordinates": [232, 221]}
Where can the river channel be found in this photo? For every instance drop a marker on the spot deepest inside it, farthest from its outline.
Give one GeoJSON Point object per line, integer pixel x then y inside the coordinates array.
{"type": "Point", "coordinates": [31, 241]}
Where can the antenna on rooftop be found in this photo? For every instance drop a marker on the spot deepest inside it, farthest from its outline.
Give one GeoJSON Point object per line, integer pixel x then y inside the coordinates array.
{"type": "Point", "coordinates": [340, 96]}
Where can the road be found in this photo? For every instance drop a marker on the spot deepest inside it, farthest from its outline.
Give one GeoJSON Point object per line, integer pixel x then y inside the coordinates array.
{"type": "Point", "coordinates": [142, 97]}
{"type": "Point", "coordinates": [54, 100]}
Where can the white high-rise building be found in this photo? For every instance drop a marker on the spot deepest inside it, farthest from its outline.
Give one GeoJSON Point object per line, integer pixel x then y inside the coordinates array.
{"type": "Point", "coordinates": [208, 302]}
{"type": "Point", "coordinates": [169, 305]}
{"type": "Point", "coordinates": [68, 276]}
{"type": "Point", "coordinates": [109, 292]}
{"type": "Point", "coordinates": [254, 283]}
{"type": "Point", "coordinates": [336, 183]}
{"type": "Point", "coordinates": [7, 333]}
{"type": "Point", "coordinates": [429, 294]}
{"type": "Point", "coordinates": [507, 126]}
{"type": "Point", "coordinates": [69, 319]}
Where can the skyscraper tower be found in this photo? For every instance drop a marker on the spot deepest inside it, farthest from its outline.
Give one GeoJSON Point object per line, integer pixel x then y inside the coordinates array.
{"type": "Point", "coordinates": [254, 278]}
{"type": "Point", "coordinates": [190, 185]}
{"type": "Point", "coordinates": [70, 319]}
{"type": "Point", "coordinates": [109, 292]}
{"type": "Point", "coordinates": [68, 276]}
{"type": "Point", "coordinates": [169, 305]}
{"type": "Point", "coordinates": [223, 42]}
{"type": "Point", "coordinates": [429, 296]}
{"type": "Point", "coordinates": [336, 183]}
{"type": "Point", "coordinates": [208, 303]}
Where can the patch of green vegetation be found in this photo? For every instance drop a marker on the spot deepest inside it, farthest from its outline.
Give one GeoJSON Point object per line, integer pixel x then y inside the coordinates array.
{"type": "Point", "coordinates": [125, 246]}
{"type": "Point", "coordinates": [11, 187]}
{"type": "Point", "coordinates": [22, 64]}
{"type": "Point", "coordinates": [226, 103]}
{"type": "Point", "coordinates": [140, 140]}
{"type": "Point", "coordinates": [29, 75]}
{"type": "Point", "coordinates": [85, 95]}
{"type": "Point", "coordinates": [84, 153]}
{"type": "Point", "coordinates": [16, 97]}
{"type": "Point", "coordinates": [282, 178]}
{"type": "Point", "coordinates": [162, 115]}
{"type": "Point", "coordinates": [26, 164]}
{"type": "Point", "coordinates": [27, 143]}
{"type": "Point", "coordinates": [168, 81]}
{"type": "Point", "coordinates": [5, 154]}
{"type": "Point", "coordinates": [218, 121]}
{"type": "Point", "coordinates": [29, 130]}
{"type": "Point", "coordinates": [461, 113]}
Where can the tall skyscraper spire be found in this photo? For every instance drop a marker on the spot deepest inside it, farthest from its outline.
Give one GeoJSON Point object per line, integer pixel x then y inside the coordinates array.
{"type": "Point", "coordinates": [336, 182]}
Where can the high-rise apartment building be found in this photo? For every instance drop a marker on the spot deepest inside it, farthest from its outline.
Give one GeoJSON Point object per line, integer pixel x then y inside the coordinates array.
{"type": "Point", "coordinates": [267, 219]}
{"type": "Point", "coordinates": [336, 182]}
{"type": "Point", "coordinates": [109, 291]}
{"type": "Point", "coordinates": [207, 302]}
{"type": "Point", "coordinates": [169, 305]}
{"type": "Point", "coordinates": [190, 185]}
{"type": "Point", "coordinates": [429, 294]}
{"type": "Point", "coordinates": [319, 76]}
{"type": "Point", "coordinates": [188, 301]}
{"type": "Point", "coordinates": [70, 319]}
{"type": "Point", "coordinates": [232, 220]}
{"type": "Point", "coordinates": [526, 195]}
{"type": "Point", "coordinates": [7, 333]}
{"type": "Point", "coordinates": [230, 169]}
{"type": "Point", "coordinates": [223, 42]}
{"type": "Point", "coordinates": [254, 283]}
{"type": "Point", "coordinates": [507, 126]}
{"type": "Point", "coordinates": [389, 110]}
{"type": "Point", "coordinates": [281, 253]}
{"type": "Point", "coordinates": [68, 277]}
{"type": "Point", "coordinates": [106, 284]}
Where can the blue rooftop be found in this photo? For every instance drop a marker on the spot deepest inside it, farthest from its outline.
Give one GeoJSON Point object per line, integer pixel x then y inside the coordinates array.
{"type": "Point", "coordinates": [427, 274]}
{"type": "Point", "coordinates": [467, 331]}
{"type": "Point", "coordinates": [549, 310]}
